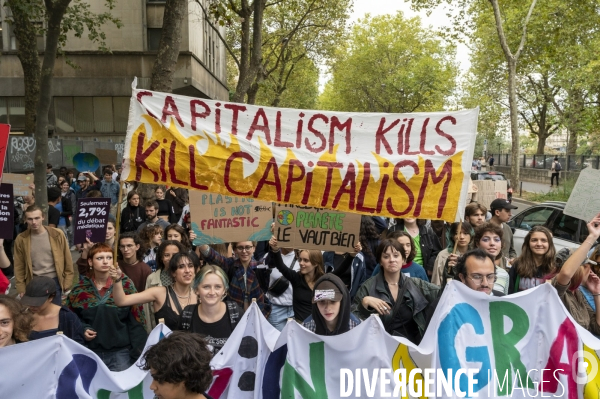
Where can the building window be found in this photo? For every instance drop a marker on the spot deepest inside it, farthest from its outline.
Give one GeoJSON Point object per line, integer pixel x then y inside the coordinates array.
{"type": "Point", "coordinates": [3, 111]}
{"type": "Point", "coordinates": [16, 111]}
{"type": "Point", "coordinates": [154, 38]}
{"type": "Point", "coordinates": [91, 114]}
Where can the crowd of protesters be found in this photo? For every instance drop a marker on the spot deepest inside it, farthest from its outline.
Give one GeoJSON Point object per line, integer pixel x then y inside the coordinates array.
{"type": "Point", "coordinates": [397, 271]}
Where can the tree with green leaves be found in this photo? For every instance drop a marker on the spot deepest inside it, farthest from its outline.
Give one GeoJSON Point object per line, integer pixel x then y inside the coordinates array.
{"type": "Point", "coordinates": [55, 19]}
{"type": "Point", "coordinates": [391, 64]}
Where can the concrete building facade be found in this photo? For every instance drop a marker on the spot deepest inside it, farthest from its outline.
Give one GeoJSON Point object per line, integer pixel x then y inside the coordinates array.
{"type": "Point", "coordinates": [92, 101]}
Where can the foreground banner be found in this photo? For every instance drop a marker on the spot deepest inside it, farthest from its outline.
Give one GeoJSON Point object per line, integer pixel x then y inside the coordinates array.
{"type": "Point", "coordinates": [309, 158]}
{"type": "Point", "coordinates": [521, 346]}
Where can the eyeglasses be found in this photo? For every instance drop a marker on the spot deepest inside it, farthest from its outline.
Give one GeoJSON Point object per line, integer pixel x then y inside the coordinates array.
{"type": "Point", "coordinates": [488, 239]}
{"type": "Point", "coordinates": [478, 278]}
{"type": "Point", "coordinates": [247, 248]}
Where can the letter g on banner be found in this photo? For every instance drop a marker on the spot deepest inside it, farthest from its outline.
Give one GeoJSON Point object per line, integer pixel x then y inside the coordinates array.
{"type": "Point", "coordinates": [585, 365]}
{"type": "Point", "coordinates": [81, 365]}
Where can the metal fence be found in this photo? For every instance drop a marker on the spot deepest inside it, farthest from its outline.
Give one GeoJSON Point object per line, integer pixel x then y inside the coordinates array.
{"type": "Point", "coordinates": [21, 152]}
{"type": "Point", "coordinates": [544, 161]}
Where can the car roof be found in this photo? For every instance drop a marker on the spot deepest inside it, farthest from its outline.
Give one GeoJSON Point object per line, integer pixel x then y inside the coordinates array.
{"type": "Point", "coordinates": [557, 204]}
{"type": "Point", "coordinates": [487, 172]}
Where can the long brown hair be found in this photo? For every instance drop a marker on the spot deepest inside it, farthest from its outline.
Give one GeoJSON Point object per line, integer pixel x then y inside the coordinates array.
{"type": "Point", "coordinates": [316, 259]}
{"type": "Point", "coordinates": [22, 320]}
{"type": "Point", "coordinates": [526, 266]}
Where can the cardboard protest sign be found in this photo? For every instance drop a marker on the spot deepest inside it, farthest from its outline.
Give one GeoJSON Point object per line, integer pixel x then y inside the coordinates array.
{"type": "Point", "coordinates": [584, 202]}
{"type": "Point", "coordinates": [20, 183]}
{"type": "Point", "coordinates": [487, 191]}
{"type": "Point", "coordinates": [303, 227]}
{"type": "Point", "coordinates": [218, 219]}
{"type": "Point", "coordinates": [106, 157]}
{"type": "Point", "coordinates": [7, 211]}
{"type": "Point", "coordinates": [91, 220]}
{"type": "Point", "coordinates": [4, 133]}
{"type": "Point", "coordinates": [413, 164]}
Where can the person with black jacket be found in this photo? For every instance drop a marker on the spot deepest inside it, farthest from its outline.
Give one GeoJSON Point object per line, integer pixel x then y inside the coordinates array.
{"type": "Point", "coordinates": [427, 244]}
{"type": "Point", "coordinates": [133, 215]}
{"type": "Point", "coordinates": [331, 308]}
{"type": "Point", "coordinates": [178, 198]}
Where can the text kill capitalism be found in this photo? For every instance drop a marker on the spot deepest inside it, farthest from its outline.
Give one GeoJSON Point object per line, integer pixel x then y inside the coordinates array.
{"type": "Point", "coordinates": [170, 156]}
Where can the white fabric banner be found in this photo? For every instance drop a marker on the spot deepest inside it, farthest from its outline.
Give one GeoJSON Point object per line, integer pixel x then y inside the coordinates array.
{"type": "Point", "coordinates": [521, 346]}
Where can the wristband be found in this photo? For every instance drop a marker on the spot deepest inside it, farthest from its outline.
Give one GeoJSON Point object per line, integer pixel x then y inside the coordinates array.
{"type": "Point", "coordinates": [595, 294]}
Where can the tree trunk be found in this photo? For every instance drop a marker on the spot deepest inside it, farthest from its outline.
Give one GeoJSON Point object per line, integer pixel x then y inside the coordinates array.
{"type": "Point", "coordinates": [541, 144]}
{"type": "Point", "coordinates": [55, 11]}
{"type": "Point", "coordinates": [30, 62]}
{"type": "Point", "coordinates": [249, 73]}
{"type": "Point", "coordinates": [515, 167]}
{"type": "Point", "coordinates": [576, 109]}
{"type": "Point", "coordinates": [168, 50]}
{"type": "Point", "coordinates": [252, 92]}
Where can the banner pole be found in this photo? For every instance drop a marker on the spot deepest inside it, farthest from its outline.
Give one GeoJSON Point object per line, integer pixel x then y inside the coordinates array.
{"type": "Point", "coordinates": [118, 224]}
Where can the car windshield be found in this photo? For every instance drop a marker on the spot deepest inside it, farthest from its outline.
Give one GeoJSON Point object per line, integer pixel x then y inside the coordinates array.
{"type": "Point", "coordinates": [487, 176]}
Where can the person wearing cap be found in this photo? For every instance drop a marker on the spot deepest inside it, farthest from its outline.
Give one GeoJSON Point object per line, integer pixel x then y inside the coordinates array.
{"type": "Point", "coordinates": [476, 270]}
{"type": "Point", "coordinates": [331, 308]}
{"type": "Point", "coordinates": [49, 319]}
{"type": "Point", "coordinates": [576, 271]}
{"type": "Point", "coordinates": [536, 264]}
{"type": "Point", "coordinates": [501, 214]}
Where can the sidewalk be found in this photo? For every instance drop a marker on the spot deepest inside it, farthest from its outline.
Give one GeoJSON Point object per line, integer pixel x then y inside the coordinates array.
{"type": "Point", "coordinates": [534, 187]}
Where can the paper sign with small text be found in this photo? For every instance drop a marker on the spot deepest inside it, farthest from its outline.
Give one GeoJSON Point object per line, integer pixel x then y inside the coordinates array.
{"type": "Point", "coordinates": [91, 220]}
{"type": "Point", "coordinates": [217, 219]}
{"type": "Point", "coordinates": [584, 202]}
{"type": "Point", "coordinates": [7, 212]}
{"type": "Point", "coordinates": [303, 227]}
{"type": "Point", "coordinates": [20, 183]}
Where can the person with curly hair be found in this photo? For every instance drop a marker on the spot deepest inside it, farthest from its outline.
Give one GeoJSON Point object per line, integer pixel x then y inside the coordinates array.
{"type": "Point", "coordinates": [151, 237]}
{"type": "Point", "coordinates": [180, 367]}
{"type": "Point", "coordinates": [15, 322]}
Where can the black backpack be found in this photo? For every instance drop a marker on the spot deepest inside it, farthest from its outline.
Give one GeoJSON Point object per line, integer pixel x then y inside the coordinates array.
{"type": "Point", "coordinates": [557, 167]}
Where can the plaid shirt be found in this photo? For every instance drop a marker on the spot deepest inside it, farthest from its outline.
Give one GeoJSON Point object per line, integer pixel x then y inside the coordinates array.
{"type": "Point", "coordinates": [239, 291]}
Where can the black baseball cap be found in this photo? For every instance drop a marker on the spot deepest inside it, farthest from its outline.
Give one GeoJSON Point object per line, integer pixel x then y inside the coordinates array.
{"type": "Point", "coordinates": [38, 290]}
{"type": "Point", "coordinates": [500, 203]}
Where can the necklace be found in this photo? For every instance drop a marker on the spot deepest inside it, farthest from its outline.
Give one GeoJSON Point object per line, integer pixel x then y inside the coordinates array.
{"type": "Point", "coordinates": [392, 283]}
{"type": "Point", "coordinates": [189, 295]}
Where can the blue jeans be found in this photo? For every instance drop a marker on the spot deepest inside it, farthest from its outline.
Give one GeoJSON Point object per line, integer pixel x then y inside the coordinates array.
{"type": "Point", "coordinates": [279, 316]}
{"type": "Point", "coordinates": [117, 360]}
{"type": "Point", "coordinates": [58, 298]}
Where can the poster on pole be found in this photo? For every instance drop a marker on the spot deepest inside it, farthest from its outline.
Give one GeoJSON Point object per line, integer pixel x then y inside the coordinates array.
{"type": "Point", "coordinates": [20, 183]}
{"type": "Point", "coordinates": [305, 227]}
{"type": "Point", "coordinates": [91, 220]}
{"type": "Point", "coordinates": [7, 211]}
{"type": "Point", "coordinates": [218, 219]}
{"type": "Point", "coordinates": [584, 202]}
{"type": "Point", "coordinates": [396, 165]}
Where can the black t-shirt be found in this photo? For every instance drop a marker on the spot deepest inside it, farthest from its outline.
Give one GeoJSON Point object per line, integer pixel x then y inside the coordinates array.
{"type": "Point", "coordinates": [53, 215]}
{"type": "Point", "coordinates": [216, 333]}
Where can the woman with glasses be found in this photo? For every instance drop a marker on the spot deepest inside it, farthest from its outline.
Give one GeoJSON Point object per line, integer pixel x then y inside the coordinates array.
{"type": "Point", "coordinates": [242, 273]}
{"type": "Point", "coordinates": [462, 235]}
{"type": "Point", "coordinates": [405, 304]}
{"type": "Point", "coordinates": [576, 271]}
{"type": "Point", "coordinates": [489, 238]}
{"type": "Point", "coordinates": [169, 301]}
{"type": "Point", "coordinates": [536, 263]}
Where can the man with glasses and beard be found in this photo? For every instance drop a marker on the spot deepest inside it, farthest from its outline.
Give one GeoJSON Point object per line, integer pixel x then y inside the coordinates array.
{"type": "Point", "coordinates": [476, 270]}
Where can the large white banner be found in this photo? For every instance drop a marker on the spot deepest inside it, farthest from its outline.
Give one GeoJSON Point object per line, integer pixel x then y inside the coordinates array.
{"type": "Point", "coordinates": [397, 165]}
{"type": "Point", "coordinates": [521, 346]}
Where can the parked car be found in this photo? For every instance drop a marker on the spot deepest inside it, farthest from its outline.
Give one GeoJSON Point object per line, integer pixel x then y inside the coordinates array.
{"type": "Point", "coordinates": [493, 175]}
{"type": "Point", "coordinates": [568, 232]}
